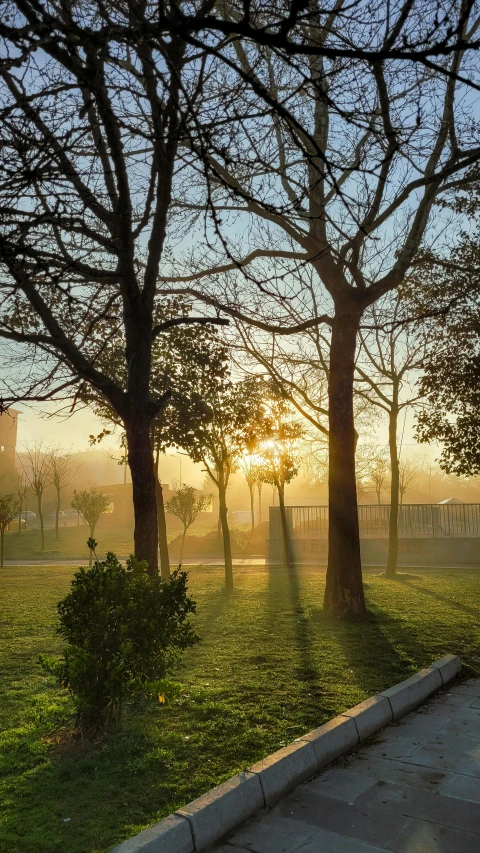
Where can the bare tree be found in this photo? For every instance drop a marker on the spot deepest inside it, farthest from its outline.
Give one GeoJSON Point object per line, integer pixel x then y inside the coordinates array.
{"type": "Point", "coordinates": [63, 471]}
{"type": "Point", "coordinates": [378, 475]}
{"type": "Point", "coordinates": [8, 512]}
{"type": "Point", "coordinates": [339, 178]}
{"type": "Point", "coordinates": [92, 113]}
{"type": "Point", "coordinates": [249, 465]}
{"type": "Point", "coordinates": [37, 468]}
{"type": "Point", "coordinates": [409, 468]}
{"type": "Point", "coordinates": [391, 355]}
{"type": "Point", "coordinates": [21, 491]}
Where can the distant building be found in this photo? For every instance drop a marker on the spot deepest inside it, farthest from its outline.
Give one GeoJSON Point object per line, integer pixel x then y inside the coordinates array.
{"type": "Point", "coordinates": [448, 501]}
{"type": "Point", "coordinates": [8, 444]}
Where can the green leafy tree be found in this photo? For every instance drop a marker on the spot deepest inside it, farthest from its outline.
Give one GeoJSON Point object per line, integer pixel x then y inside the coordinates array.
{"type": "Point", "coordinates": [445, 298]}
{"type": "Point", "coordinates": [184, 358]}
{"type": "Point", "coordinates": [185, 504]}
{"type": "Point", "coordinates": [222, 421]}
{"type": "Point", "coordinates": [91, 505]}
{"type": "Point", "coordinates": [125, 632]}
{"type": "Point", "coordinates": [8, 512]}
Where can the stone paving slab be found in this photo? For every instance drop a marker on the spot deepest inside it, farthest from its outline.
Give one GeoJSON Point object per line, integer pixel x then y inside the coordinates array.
{"type": "Point", "coordinates": [414, 788]}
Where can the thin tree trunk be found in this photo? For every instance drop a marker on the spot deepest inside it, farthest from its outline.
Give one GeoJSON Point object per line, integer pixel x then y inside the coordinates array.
{"type": "Point", "coordinates": [2, 539]}
{"type": "Point", "coordinates": [142, 470]}
{"type": "Point", "coordinates": [57, 511]}
{"type": "Point", "coordinates": [344, 588]}
{"type": "Point", "coordinates": [90, 552]}
{"type": "Point", "coordinates": [283, 527]}
{"type": "Point", "coordinates": [162, 528]}
{"type": "Point", "coordinates": [392, 558]}
{"type": "Point", "coordinates": [182, 546]}
{"type": "Point", "coordinates": [252, 506]}
{"type": "Point", "coordinates": [259, 490]}
{"type": "Point", "coordinates": [227, 546]}
{"type": "Point", "coordinates": [40, 515]}
{"type": "Point", "coordinates": [20, 520]}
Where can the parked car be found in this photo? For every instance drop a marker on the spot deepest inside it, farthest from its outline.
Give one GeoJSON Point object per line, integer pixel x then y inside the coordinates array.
{"type": "Point", "coordinates": [61, 514]}
{"type": "Point", "coordinates": [28, 515]}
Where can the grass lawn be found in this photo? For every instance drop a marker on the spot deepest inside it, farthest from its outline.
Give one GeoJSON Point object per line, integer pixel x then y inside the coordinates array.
{"type": "Point", "coordinates": [72, 542]}
{"type": "Point", "coordinates": [270, 667]}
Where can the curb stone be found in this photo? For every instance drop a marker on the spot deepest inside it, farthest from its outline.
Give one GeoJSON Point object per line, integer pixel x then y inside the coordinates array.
{"type": "Point", "coordinates": [220, 810]}
{"type": "Point", "coordinates": [199, 824]}
{"type": "Point", "coordinates": [283, 770]}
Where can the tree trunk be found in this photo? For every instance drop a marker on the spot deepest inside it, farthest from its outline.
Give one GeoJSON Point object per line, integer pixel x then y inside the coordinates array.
{"type": "Point", "coordinates": [57, 510]}
{"type": "Point", "coordinates": [259, 490]}
{"type": "Point", "coordinates": [90, 552]}
{"type": "Point", "coordinates": [283, 527]}
{"type": "Point", "coordinates": [2, 539]}
{"type": "Point", "coordinates": [142, 471]}
{"type": "Point", "coordinates": [394, 488]}
{"type": "Point", "coordinates": [20, 520]}
{"type": "Point", "coordinates": [252, 507]}
{"type": "Point", "coordinates": [227, 546]}
{"type": "Point", "coordinates": [344, 588]}
{"type": "Point", "coordinates": [182, 547]}
{"type": "Point", "coordinates": [162, 531]}
{"type": "Point", "coordinates": [40, 515]}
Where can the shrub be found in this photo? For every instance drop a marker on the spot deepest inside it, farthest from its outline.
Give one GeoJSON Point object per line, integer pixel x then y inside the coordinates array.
{"type": "Point", "coordinates": [125, 632]}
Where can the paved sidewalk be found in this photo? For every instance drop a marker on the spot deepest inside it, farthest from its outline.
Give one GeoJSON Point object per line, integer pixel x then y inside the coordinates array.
{"type": "Point", "coordinates": [414, 788]}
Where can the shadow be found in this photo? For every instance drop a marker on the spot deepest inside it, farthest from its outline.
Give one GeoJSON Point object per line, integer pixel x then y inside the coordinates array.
{"type": "Point", "coordinates": [378, 648]}
{"type": "Point", "coordinates": [285, 599]}
{"type": "Point", "coordinates": [463, 608]}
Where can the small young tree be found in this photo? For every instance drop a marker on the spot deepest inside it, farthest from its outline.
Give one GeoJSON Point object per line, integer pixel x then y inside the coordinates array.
{"type": "Point", "coordinates": [377, 476]}
{"type": "Point", "coordinates": [221, 421]}
{"type": "Point", "coordinates": [249, 464]}
{"type": "Point", "coordinates": [8, 512]}
{"type": "Point", "coordinates": [38, 474]}
{"type": "Point", "coordinates": [185, 505]}
{"type": "Point", "coordinates": [62, 472]}
{"type": "Point", "coordinates": [278, 453]}
{"type": "Point", "coordinates": [124, 633]}
{"type": "Point", "coordinates": [408, 468]}
{"type": "Point", "coordinates": [21, 491]}
{"type": "Point", "coordinates": [91, 505]}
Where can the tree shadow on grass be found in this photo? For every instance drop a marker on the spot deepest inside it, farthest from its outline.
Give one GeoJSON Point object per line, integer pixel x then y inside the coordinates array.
{"type": "Point", "coordinates": [463, 608]}
{"type": "Point", "coordinates": [284, 598]}
{"type": "Point", "coordinates": [379, 649]}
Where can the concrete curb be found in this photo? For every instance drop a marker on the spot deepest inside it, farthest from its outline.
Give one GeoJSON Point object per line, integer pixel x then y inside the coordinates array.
{"type": "Point", "coordinates": [206, 820]}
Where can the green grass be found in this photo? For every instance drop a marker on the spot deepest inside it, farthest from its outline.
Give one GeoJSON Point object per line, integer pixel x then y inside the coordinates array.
{"type": "Point", "coordinates": [72, 542]}
{"type": "Point", "coordinates": [270, 666]}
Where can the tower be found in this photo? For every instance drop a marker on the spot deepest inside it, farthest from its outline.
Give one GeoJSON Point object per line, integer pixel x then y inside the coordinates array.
{"type": "Point", "coordinates": [8, 444]}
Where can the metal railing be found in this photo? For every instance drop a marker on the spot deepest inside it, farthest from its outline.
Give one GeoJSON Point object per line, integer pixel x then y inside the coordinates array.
{"type": "Point", "coordinates": [428, 520]}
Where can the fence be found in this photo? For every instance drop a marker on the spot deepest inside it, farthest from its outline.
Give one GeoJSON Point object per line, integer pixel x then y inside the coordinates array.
{"type": "Point", "coordinates": [414, 520]}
